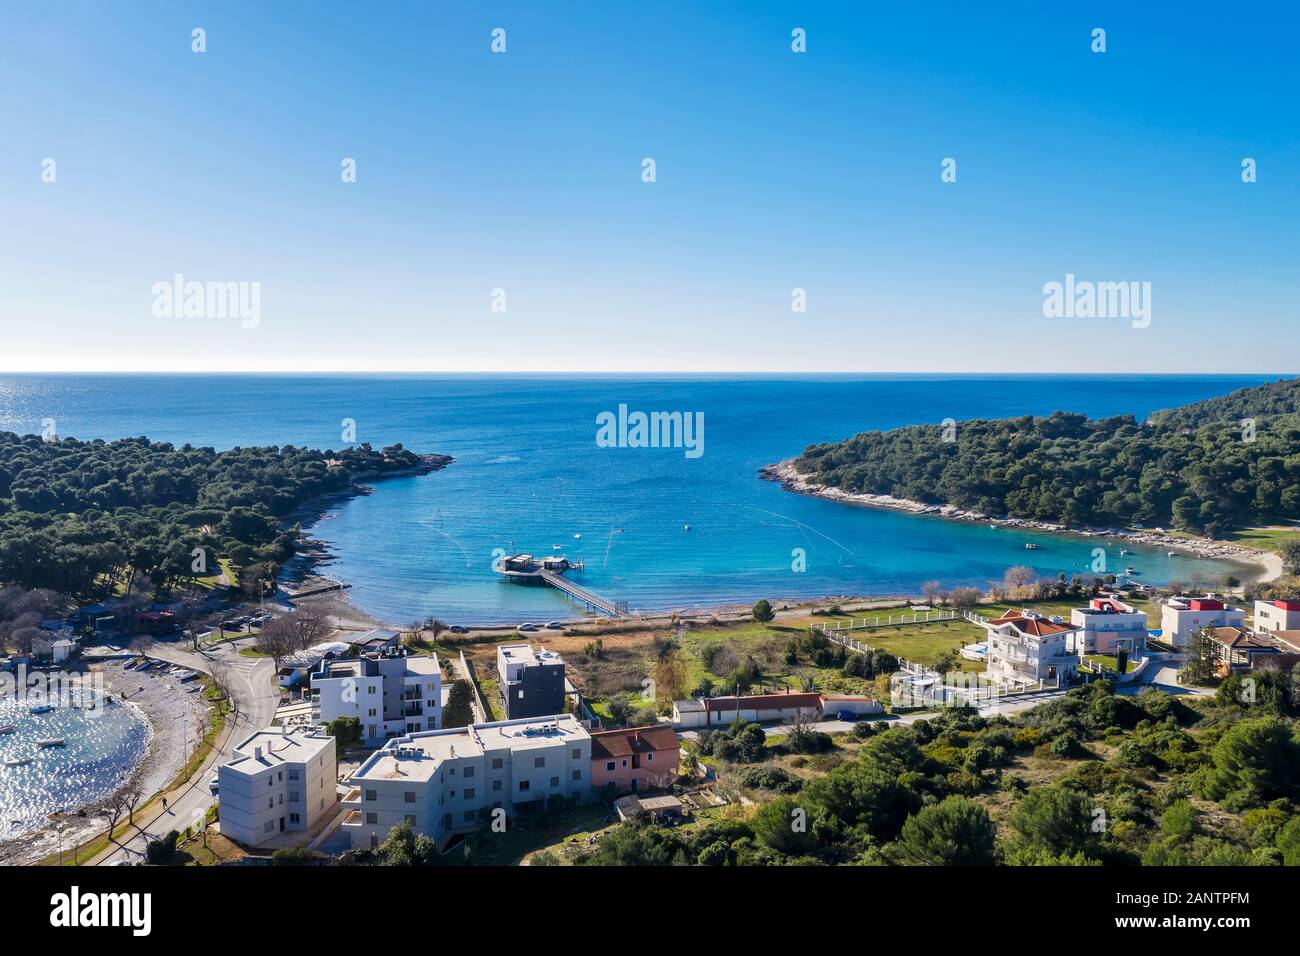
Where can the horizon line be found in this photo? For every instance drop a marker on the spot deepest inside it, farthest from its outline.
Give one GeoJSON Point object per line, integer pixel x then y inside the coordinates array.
{"type": "Point", "coordinates": [640, 372]}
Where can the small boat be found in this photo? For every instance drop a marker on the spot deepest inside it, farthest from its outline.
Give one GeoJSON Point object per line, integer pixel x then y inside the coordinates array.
{"type": "Point", "coordinates": [992, 526]}
{"type": "Point", "coordinates": [1031, 546]}
{"type": "Point", "coordinates": [18, 761]}
{"type": "Point", "coordinates": [1129, 571]}
{"type": "Point", "coordinates": [1172, 554]}
{"type": "Point", "coordinates": [686, 527]}
{"type": "Point", "coordinates": [577, 536]}
{"type": "Point", "coordinates": [51, 742]}
{"type": "Point", "coordinates": [7, 729]}
{"type": "Point", "coordinates": [555, 547]}
{"type": "Point", "coordinates": [40, 708]}
{"type": "Point", "coordinates": [1123, 550]}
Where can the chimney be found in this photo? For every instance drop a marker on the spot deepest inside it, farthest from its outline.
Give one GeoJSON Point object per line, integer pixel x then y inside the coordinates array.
{"type": "Point", "coordinates": [257, 753]}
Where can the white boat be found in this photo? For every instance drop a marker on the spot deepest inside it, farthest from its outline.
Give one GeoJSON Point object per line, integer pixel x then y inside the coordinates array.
{"type": "Point", "coordinates": [686, 527]}
{"type": "Point", "coordinates": [1129, 571]}
{"type": "Point", "coordinates": [577, 536]}
{"type": "Point", "coordinates": [51, 742]}
{"type": "Point", "coordinates": [7, 729]}
{"type": "Point", "coordinates": [1031, 546]}
{"type": "Point", "coordinates": [40, 708]}
{"type": "Point", "coordinates": [1172, 554]}
{"type": "Point", "coordinates": [18, 761]}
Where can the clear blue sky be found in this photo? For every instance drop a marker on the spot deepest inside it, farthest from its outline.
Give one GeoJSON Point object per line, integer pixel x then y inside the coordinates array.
{"type": "Point", "coordinates": [775, 170]}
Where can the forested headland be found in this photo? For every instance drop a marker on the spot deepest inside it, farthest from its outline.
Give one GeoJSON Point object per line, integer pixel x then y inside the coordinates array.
{"type": "Point", "coordinates": [89, 518]}
{"type": "Point", "coordinates": [1209, 467]}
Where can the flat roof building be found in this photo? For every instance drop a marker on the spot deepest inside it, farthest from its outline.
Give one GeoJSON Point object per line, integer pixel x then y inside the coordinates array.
{"type": "Point", "coordinates": [447, 781]}
{"type": "Point", "coordinates": [531, 680]}
{"type": "Point", "coordinates": [278, 781]}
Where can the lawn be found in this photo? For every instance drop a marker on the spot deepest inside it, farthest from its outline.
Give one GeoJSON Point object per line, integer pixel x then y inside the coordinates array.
{"type": "Point", "coordinates": [529, 836]}
{"type": "Point", "coordinates": [1266, 539]}
{"type": "Point", "coordinates": [926, 643]}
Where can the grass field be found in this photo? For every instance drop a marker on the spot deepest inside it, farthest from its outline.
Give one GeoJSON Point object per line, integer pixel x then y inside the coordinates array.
{"type": "Point", "coordinates": [1266, 539]}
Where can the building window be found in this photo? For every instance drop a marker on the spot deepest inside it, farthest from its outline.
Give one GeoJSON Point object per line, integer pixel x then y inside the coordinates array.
{"type": "Point", "coordinates": [539, 761]}
{"type": "Point", "coordinates": [408, 796]}
{"type": "Point", "coordinates": [577, 753]}
{"type": "Point", "coordinates": [293, 774]}
{"type": "Point", "coordinates": [555, 782]}
{"type": "Point", "coordinates": [294, 796]}
{"type": "Point", "coordinates": [649, 756]}
{"type": "Point", "coordinates": [293, 818]}
{"type": "Point", "coordinates": [498, 763]}
{"type": "Point", "coordinates": [370, 795]}
{"type": "Point", "coordinates": [496, 785]}
{"type": "Point", "coordinates": [610, 766]}
{"type": "Point", "coordinates": [469, 772]}
{"type": "Point", "coordinates": [523, 786]}
{"type": "Point", "coordinates": [372, 818]}
{"type": "Point", "coordinates": [469, 793]}
{"type": "Point", "coordinates": [577, 775]}
{"type": "Point", "coordinates": [270, 826]}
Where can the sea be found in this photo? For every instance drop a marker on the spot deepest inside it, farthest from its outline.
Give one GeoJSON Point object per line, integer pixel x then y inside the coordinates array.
{"type": "Point", "coordinates": [691, 526]}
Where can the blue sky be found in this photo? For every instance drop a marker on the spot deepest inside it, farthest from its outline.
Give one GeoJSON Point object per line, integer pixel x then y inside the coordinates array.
{"type": "Point", "coordinates": [522, 171]}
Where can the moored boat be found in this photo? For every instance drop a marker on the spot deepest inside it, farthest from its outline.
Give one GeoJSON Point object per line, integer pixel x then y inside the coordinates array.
{"type": "Point", "coordinates": [51, 742]}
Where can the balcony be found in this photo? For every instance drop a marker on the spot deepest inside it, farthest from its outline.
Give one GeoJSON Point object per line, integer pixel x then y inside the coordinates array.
{"type": "Point", "coordinates": [352, 798]}
{"type": "Point", "coordinates": [352, 819]}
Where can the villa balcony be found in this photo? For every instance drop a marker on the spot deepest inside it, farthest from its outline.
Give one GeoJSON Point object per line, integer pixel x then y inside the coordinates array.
{"type": "Point", "coordinates": [352, 798]}
{"type": "Point", "coordinates": [351, 819]}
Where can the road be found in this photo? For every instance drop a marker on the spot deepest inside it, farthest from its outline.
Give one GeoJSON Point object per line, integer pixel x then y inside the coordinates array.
{"type": "Point", "coordinates": [255, 698]}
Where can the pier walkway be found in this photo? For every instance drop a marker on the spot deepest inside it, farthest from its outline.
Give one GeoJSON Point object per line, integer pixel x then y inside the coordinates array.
{"type": "Point", "coordinates": [580, 593]}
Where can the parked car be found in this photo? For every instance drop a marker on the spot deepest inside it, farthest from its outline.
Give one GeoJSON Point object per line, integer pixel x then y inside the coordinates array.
{"type": "Point", "coordinates": [554, 626]}
{"type": "Point", "coordinates": [526, 627]}
{"type": "Point", "coordinates": [846, 715]}
{"type": "Point", "coordinates": [458, 629]}
{"type": "Point", "coordinates": [212, 785]}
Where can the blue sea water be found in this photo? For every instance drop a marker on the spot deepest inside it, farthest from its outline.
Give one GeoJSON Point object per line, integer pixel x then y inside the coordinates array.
{"type": "Point", "coordinates": [529, 476]}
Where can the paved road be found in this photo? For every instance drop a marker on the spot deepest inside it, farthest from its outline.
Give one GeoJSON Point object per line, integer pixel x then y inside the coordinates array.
{"type": "Point", "coordinates": [255, 698]}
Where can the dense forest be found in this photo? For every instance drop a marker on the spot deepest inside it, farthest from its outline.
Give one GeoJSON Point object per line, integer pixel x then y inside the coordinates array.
{"type": "Point", "coordinates": [86, 518]}
{"type": "Point", "coordinates": [1208, 467]}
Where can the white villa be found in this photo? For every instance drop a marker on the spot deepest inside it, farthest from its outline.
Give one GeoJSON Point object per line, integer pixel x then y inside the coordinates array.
{"type": "Point", "coordinates": [1025, 647]}
{"type": "Point", "coordinates": [1181, 617]}
{"type": "Point", "coordinates": [1108, 626]}
{"type": "Point", "coordinates": [391, 694]}
{"type": "Point", "coordinates": [279, 781]}
{"type": "Point", "coordinates": [1274, 616]}
{"type": "Point", "coordinates": [441, 781]}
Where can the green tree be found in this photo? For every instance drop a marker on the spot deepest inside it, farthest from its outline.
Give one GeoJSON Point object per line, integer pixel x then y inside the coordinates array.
{"type": "Point", "coordinates": [459, 711]}
{"type": "Point", "coordinates": [1179, 821]}
{"type": "Point", "coordinates": [1254, 761]}
{"type": "Point", "coordinates": [954, 832]}
{"type": "Point", "coordinates": [1290, 552]}
{"type": "Point", "coordinates": [1054, 819]}
{"type": "Point", "coordinates": [763, 612]}
{"type": "Point", "coordinates": [346, 732]}
{"type": "Point", "coordinates": [404, 847]}
{"type": "Point", "coordinates": [784, 825]}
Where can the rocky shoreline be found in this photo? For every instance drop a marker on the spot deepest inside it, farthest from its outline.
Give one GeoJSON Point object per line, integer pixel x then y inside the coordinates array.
{"type": "Point", "coordinates": [791, 479]}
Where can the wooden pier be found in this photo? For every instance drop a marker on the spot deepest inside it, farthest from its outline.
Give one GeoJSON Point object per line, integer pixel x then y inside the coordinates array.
{"type": "Point", "coordinates": [525, 569]}
{"type": "Point", "coordinates": [580, 593]}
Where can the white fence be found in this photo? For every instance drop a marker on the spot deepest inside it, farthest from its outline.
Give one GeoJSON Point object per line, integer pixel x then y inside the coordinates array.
{"type": "Point", "coordinates": [889, 620]}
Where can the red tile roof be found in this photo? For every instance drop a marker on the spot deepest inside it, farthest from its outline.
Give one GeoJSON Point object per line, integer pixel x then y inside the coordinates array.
{"type": "Point", "coordinates": [623, 743]}
{"type": "Point", "coordinates": [1036, 626]}
{"type": "Point", "coordinates": [764, 702]}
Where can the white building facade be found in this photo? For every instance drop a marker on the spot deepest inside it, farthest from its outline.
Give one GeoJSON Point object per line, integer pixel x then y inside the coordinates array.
{"type": "Point", "coordinates": [391, 694]}
{"type": "Point", "coordinates": [1025, 647]}
{"type": "Point", "coordinates": [446, 781]}
{"type": "Point", "coordinates": [1181, 617]}
{"type": "Point", "coordinates": [278, 782]}
{"type": "Point", "coordinates": [1107, 626]}
{"type": "Point", "coordinates": [1273, 616]}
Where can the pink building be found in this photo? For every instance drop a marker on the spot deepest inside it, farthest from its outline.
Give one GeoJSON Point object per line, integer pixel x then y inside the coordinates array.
{"type": "Point", "coordinates": [642, 758]}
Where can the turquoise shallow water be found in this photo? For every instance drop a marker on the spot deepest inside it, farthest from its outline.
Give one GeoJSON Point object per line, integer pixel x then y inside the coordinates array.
{"type": "Point", "coordinates": [530, 475]}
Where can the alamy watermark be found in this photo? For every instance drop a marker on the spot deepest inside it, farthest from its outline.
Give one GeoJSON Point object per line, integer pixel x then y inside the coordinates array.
{"type": "Point", "coordinates": [179, 299]}
{"type": "Point", "coordinates": [651, 430]}
{"type": "Point", "coordinates": [1084, 299]}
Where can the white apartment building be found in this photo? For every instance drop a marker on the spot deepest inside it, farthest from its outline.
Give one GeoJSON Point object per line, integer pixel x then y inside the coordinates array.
{"type": "Point", "coordinates": [441, 781]}
{"type": "Point", "coordinates": [1181, 617]}
{"type": "Point", "coordinates": [1107, 626]}
{"type": "Point", "coordinates": [391, 694]}
{"type": "Point", "coordinates": [1273, 616]}
{"type": "Point", "coordinates": [278, 782]}
{"type": "Point", "coordinates": [1025, 647]}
